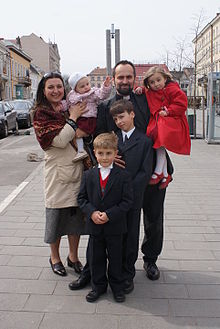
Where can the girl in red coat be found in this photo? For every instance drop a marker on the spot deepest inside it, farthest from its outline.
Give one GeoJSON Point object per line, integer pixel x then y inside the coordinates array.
{"type": "Point", "coordinates": [168, 124]}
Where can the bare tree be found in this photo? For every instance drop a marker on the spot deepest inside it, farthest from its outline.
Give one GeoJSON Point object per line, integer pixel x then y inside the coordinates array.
{"type": "Point", "coordinates": [198, 23]}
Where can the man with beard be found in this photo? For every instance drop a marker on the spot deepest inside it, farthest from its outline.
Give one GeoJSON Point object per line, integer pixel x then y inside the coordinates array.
{"type": "Point", "coordinates": [153, 203]}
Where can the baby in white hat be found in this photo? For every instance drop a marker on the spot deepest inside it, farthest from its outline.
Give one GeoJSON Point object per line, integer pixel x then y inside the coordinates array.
{"type": "Point", "coordinates": [83, 92]}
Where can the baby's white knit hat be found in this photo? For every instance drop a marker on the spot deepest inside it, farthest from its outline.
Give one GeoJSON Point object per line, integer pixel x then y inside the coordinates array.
{"type": "Point", "coordinates": [74, 79]}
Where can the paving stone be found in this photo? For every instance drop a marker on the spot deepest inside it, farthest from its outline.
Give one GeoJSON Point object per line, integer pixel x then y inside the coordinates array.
{"type": "Point", "coordinates": [212, 237]}
{"type": "Point", "coordinates": [36, 261]}
{"type": "Point", "coordinates": [11, 241]}
{"type": "Point", "coordinates": [29, 233]}
{"type": "Point", "coordinates": [20, 272]}
{"type": "Point", "coordinates": [59, 304]}
{"type": "Point", "coordinates": [148, 290]}
{"type": "Point", "coordinates": [207, 323]}
{"type": "Point", "coordinates": [19, 286]}
{"type": "Point", "coordinates": [7, 232]}
{"type": "Point", "coordinates": [154, 322]}
{"type": "Point", "coordinates": [23, 250]}
{"type": "Point", "coordinates": [79, 321]}
{"type": "Point", "coordinates": [184, 237]}
{"type": "Point", "coordinates": [16, 225]}
{"type": "Point", "coordinates": [200, 265]}
{"type": "Point", "coordinates": [12, 302]}
{"type": "Point", "coordinates": [20, 320]}
{"type": "Point", "coordinates": [4, 259]}
{"type": "Point", "coordinates": [197, 245]}
{"type": "Point", "coordinates": [204, 291]}
{"type": "Point", "coordinates": [184, 277]}
{"type": "Point", "coordinates": [132, 306]}
{"type": "Point", "coordinates": [195, 308]}
{"type": "Point", "coordinates": [195, 229]}
{"type": "Point", "coordinates": [187, 254]}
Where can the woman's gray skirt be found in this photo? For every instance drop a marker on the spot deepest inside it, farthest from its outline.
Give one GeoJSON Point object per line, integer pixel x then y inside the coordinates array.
{"type": "Point", "coordinates": [63, 221]}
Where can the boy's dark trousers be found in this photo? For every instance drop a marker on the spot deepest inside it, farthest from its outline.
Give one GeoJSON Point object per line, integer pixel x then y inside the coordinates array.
{"type": "Point", "coordinates": [131, 244]}
{"type": "Point", "coordinates": [103, 249]}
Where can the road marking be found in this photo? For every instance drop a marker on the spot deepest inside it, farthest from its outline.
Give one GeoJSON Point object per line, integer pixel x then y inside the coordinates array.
{"type": "Point", "coordinates": [12, 195]}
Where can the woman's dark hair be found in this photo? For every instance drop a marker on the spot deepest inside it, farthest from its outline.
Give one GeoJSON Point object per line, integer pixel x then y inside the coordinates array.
{"type": "Point", "coordinates": [40, 98]}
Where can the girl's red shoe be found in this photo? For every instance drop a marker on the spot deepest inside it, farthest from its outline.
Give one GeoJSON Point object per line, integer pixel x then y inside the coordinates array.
{"type": "Point", "coordinates": [154, 181]}
{"type": "Point", "coordinates": [164, 184]}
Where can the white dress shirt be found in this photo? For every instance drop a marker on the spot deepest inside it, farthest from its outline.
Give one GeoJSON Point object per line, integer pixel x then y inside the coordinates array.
{"type": "Point", "coordinates": [105, 171]}
{"type": "Point", "coordinates": [128, 133]}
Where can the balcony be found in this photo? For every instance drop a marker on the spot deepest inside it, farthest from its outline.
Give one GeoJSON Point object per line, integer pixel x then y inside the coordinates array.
{"type": "Point", "coordinates": [26, 81]}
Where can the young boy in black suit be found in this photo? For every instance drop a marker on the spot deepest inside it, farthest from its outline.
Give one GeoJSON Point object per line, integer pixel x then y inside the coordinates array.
{"type": "Point", "coordinates": [105, 197]}
{"type": "Point", "coordinates": [136, 150]}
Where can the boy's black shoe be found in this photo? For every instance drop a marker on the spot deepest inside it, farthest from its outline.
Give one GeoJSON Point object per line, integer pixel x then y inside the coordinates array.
{"type": "Point", "coordinates": [128, 287]}
{"type": "Point", "coordinates": [119, 297]}
{"type": "Point", "coordinates": [93, 295]}
{"type": "Point", "coordinates": [152, 271]}
{"type": "Point", "coordinates": [80, 283]}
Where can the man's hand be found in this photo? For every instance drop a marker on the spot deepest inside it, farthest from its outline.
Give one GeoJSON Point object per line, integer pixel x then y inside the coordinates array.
{"type": "Point", "coordinates": [164, 111]}
{"type": "Point", "coordinates": [138, 91]}
{"type": "Point", "coordinates": [118, 161]}
{"type": "Point", "coordinates": [107, 81]}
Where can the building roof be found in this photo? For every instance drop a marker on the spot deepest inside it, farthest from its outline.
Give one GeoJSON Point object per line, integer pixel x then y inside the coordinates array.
{"type": "Point", "coordinates": [141, 69]}
{"type": "Point", "coordinates": [98, 71]}
{"type": "Point", "coordinates": [11, 44]}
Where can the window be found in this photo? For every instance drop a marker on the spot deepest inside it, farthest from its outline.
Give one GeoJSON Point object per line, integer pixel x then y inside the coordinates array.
{"type": "Point", "coordinates": [98, 78]}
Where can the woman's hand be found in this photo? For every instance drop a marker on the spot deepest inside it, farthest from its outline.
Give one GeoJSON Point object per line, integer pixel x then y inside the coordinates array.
{"type": "Point", "coordinates": [77, 110]}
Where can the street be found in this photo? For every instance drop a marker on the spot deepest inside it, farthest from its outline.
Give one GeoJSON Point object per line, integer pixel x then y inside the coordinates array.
{"type": "Point", "coordinates": [14, 167]}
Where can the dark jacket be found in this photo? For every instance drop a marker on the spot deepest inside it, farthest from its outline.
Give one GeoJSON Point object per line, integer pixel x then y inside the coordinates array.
{"type": "Point", "coordinates": [138, 156]}
{"type": "Point", "coordinates": [116, 201]}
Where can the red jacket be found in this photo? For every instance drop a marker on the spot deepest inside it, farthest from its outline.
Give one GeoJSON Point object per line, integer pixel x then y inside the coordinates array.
{"type": "Point", "coordinates": [172, 130]}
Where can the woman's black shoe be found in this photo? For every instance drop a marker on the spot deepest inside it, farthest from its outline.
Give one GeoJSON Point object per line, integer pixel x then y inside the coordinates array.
{"type": "Point", "coordinates": [77, 266]}
{"type": "Point", "coordinates": [58, 268]}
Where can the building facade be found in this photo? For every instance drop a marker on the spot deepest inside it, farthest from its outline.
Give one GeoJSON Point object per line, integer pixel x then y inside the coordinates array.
{"type": "Point", "coordinates": [5, 76]}
{"type": "Point", "coordinates": [44, 55]}
{"type": "Point", "coordinates": [97, 76]}
{"type": "Point", "coordinates": [19, 71]}
{"type": "Point", "coordinates": [207, 53]}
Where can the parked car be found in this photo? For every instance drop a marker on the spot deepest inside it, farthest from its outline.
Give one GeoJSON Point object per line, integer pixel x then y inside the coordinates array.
{"type": "Point", "coordinates": [8, 120]}
{"type": "Point", "coordinates": [22, 107]}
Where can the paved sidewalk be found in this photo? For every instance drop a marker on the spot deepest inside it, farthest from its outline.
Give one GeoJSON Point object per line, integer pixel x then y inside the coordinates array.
{"type": "Point", "coordinates": [187, 294]}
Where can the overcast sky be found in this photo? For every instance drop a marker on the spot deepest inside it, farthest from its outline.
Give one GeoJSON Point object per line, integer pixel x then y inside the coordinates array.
{"type": "Point", "coordinates": [149, 29]}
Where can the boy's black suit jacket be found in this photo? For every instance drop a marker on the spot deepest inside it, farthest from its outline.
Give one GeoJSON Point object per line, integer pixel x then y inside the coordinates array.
{"type": "Point", "coordinates": [116, 201]}
{"type": "Point", "coordinates": [137, 153]}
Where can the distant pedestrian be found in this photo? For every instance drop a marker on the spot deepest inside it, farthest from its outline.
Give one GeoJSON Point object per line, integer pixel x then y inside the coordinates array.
{"type": "Point", "coordinates": [62, 176]}
{"type": "Point", "coordinates": [82, 91]}
{"type": "Point", "coordinates": [168, 124]}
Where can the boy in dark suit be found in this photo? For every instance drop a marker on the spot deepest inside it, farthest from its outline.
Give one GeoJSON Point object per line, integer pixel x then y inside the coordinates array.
{"type": "Point", "coordinates": [105, 197]}
{"type": "Point", "coordinates": [136, 150]}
